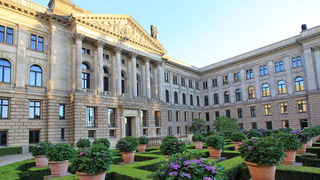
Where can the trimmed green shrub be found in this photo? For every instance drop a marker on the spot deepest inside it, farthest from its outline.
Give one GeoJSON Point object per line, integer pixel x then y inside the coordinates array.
{"type": "Point", "coordinates": [310, 162]}
{"type": "Point", "coordinates": [103, 141]}
{"type": "Point", "coordinates": [40, 149]}
{"type": "Point", "coordinates": [198, 137]}
{"type": "Point", "coordinates": [143, 140]}
{"type": "Point", "coordinates": [60, 152]}
{"type": "Point", "coordinates": [82, 143]}
{"type": "Point", "coordinates": [314, 150]}
{"type": "Point", "coordinates": [10, 150]}
{"type": "Point", "coordinates": [238, 137]}
{"type": "Point", "coordinates": [254, 133]}
{"type": "Point", "coordinates": [302, 136]}
{"type": "Point", "coordinates": [264, 132]}
{"type": "Point", "coordinates": [172, 146]}
{"type": "Point", "coordinates": [263, 151]}
{"type": "Point", "coordinates": [127, 144]}
{"type": "Point", "coordinates": [290, 141]}
{"type": "Point", "coordinates": [216, 142]}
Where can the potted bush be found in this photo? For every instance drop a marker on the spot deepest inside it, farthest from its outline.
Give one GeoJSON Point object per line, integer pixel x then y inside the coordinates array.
{"type": "Point", "coordinates": [291, 145]}
{"type": "Point", "coordinates": [302, 138]}
{"type": "Point", "coordinates": [264, 132]}
{"type": "Point", "coordinates": [39, 152]}
{"type": "Point", "coordinates": [236, 138]}
{"type": "Point", "coordinates": [198, 140]}
{"type": "Point", "coordinates": [188, 165]}
{"type": "Point", "coordinates": [143, 142]}
{"type": "Point", "coordinates": [254, 133]}
{"type": "Point", "coordinates": [102, 141]}
{"type": "Point", "coordinates": [171, 145]}
{"type": "Point", "coordinates": [82, 143]}
{"type": "Point", "coordinates": [92, 163]}
{"type": "Point", "coordinates": [215, 144]}
{"type": "Point", "coordinates": [59, 156]}
{"type": "Point", "coordinates": [261, 155]}
{"type": "Point", "coordinates": [127, 146]}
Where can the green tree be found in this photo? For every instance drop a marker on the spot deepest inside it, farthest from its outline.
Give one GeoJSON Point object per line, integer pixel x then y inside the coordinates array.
{"type": "Point", "coordinates": [225, 124]}
{"type": "Point", "coordinates": [198, 125]}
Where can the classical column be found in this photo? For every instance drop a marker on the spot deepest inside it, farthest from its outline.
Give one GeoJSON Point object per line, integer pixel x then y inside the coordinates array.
{"type": "Point", "coordinates": [309, 69]}
{"type": "Point", "coordinates": [134, 74]}
{"type": "Point", "coordinates": [316, 51]}
{"type": "Point", "coordinates": [100, 45]}
{"type": "Point", "coordinates": [78, 70]}
{"type": "Point", "coordinates": [257, 82]}
{"type": "Point", "coordinates": [243, 85]}
{"type": "Point", "coordinates": [148, 84]}
{"type": "Point", "coordinates": [287, 68]}
{"type": "Point", "coordinates": [272, 84]}
{"type": "Point", "coordinates": [220, 93]}
{"type": "Point", "coordinates": [118, 51]}
{"type": "Point", "coordinates": [231, 88]}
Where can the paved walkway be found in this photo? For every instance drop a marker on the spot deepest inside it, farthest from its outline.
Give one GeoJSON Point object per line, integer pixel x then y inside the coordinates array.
{"type": "Point", "coordinates": [8, 159]}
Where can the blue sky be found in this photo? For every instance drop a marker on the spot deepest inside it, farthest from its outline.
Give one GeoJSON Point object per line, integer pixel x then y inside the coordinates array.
{"type": "Point", "coordinates": [202, 32]}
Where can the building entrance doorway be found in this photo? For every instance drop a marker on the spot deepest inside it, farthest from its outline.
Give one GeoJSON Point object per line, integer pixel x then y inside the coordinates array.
{"type": "Point", "coordinates": [128, 125]}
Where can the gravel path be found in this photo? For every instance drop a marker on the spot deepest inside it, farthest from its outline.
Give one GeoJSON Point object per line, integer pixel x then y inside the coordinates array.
{"type": "Point", "coordinates": [8, 159]}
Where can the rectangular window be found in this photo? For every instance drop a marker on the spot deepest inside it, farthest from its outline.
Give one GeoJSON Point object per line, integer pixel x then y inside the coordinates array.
{"type": "Point", "coordinates": [186, 130]}
{"type": "Point", "coordinates": [4, 108]}
{"type": "Point", "coordinates": [205, 85]}
{"type": "Point", "coordinates": [111, 117]}
{"type": "Point", "coordinates": [169, 116]}
{"type": "Point", "coordinates": [34, 109]}
{"type": "Point", "coordinates": [207, 116]}
{"type": "Point", "coordinates": [228, 114]}
{"type": "Point", "coordinates": [177, 116]}
{"type": "Point", "coordinates": [83, 50]}
{"type": "Point", "coordinates": [225, 80]}
{"type": "Point", "coordinates": [185, 116]}
{"type": "Point", "coordinates": [192, 115]}
{"type": "Point", "coordinates": [62, 111]}
{"type": "Point", "coordinates": [178, 130]}
{"type": "Point", "coordinates": [253, 111]}
{"type": "Point", "coordinates": [34, 136]}
{"type": "Point", "coordinates": [240, 126]}
{"type": "Point", "coordinates": [112, 133]}
{"type": "Point", "coordinates": [263, 70]}
{"type": "Point", "coordinates": [303, 123]}
{"type": "Point", "coordinates": [91, 134]}
{"type": "Point", "coordinates": [208, 128]}
{"type": "Point", "coordinates": [197, 85]}
{"type": "Point", "coordinates": [9, 38]}
{"type": "Point", "coordinates": [279, 66]}
{"type": "Point", "coordinates": [175, 79]}
{"type": "Point", "coordinates": [214, 82]}
{"type": "Point", "coordinates": [40, 43]}
{"type": "Point", "coordinates": [267, 110]}
{"type": "Point", "coordinates": [166, 77]}
{"type": "Point", "coordinates": [158, 131]}
{"type": "Point", "coordinates": [183, 82]}
{"type": "Point", "coordinates": [90, 117]}
{"type": "Point", "coordinates": [284, 108]}
{"type": "Point", "coordinates": [217, 114]}
{"type": "Point", "coordinates": [36, 42]}
{"type": "Point", "coordinates": [236, 77]}
{"type": "Point", "coordinates": [296, 62]}
{"type": "Point", "coordinates": [239, 113]}
{"type": "Point", "coordinates": [2, 33]}
{"type": "Point", "coordinates": [4, 137]}
{"type": "Point", "coordinates": [249, 74]}
{"type": "Point", "coordinates": [62, 134]}
{"type": "Point", "coordinates": [190, 83]}
{"type": "Point", "coordinates": [269, 125]}
{"type": "Point", "coordinates": [144, 118]}
{"type": "Point", "coordinates": [88, 51]}
{"type": "Point", "coordinates": [254, 125]}
{"type": "Point", "coordinates": [157, 118]}
{"type": "Point", "coordinates": [302, 106]}
{"type": "Point", "coordinates": [285, 123]}
{"type": "Point", "coordinates": [145, 132]}
{"type": "Point", "coordinates": [199, 115]}
{"type": "Point", "coordinates": [170, 130]}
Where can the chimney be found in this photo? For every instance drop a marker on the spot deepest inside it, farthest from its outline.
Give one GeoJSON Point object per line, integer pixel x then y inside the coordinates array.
{"type": "Point", "coordinates": [303, 27]}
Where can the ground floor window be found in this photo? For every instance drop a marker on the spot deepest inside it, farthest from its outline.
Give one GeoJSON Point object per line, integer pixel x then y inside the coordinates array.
{"type": "Point", "coordinates": [145, 132]}
{"type": "Point", "coordinates": [186, 129]}
{"type": "Point", "coordinates": [91, 134]}
{"type": "Point", "coordinates": [254, 125]}
{"type": "Point", "coordinates": [3, 138]}
{"type": "Point", "coordinates": [170, 130]}
{"type": "Point", "coordinates": [208, 128]}
{"type": "Point", "coordinates": [303, 123]}
{"type": "Point", "coordinates": [62, 134]}
{"type": "Point", "coordinates": [112, 133]}
{"type": "Point", "coordinates": [269, 125]}
{"type": "Point", "coordinates": [34, 136]}
{"type": "Point", "coordinates": [240, 126]}
{"type": "Point", "coordinates": [158, 131]}
{"type": "Point", "coordinates": [285, 123]}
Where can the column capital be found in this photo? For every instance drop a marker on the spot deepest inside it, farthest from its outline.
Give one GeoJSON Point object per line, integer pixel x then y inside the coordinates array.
{"type": "Point", "coordinates": [147, 59]}
{"type": "Point", "coordinates": [78, 36]}
{"type": "Point", "coordinates": [316, 48]}
{"type": "Point", "coordinates": [133, 54]}
{"type": "Point", "coordinates": [117, 49]}
{"type": "Point", "coordinates": [100, 43]}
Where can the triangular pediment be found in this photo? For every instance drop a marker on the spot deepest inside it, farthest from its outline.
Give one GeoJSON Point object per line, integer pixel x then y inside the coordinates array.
{"type": "Point", "coordinates": [122, 26]}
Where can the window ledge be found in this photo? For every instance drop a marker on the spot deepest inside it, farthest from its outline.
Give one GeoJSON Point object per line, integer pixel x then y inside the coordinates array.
{"type": "Point", "coordinates": [35, 89]}
{"type": "Point", "coordinates": [112, 128]}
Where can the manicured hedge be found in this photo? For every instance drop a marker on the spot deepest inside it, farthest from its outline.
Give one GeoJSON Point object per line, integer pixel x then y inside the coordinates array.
{"type": "Point", "coordinates": [310, 162]}
{"type": "Point", "coordinates": [10, 150]}
{"type": "Point", "coordinates": [314, 150]}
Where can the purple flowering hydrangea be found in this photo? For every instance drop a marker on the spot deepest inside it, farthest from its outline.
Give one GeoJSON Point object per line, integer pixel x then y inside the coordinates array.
{"type": "Point", "coordinates": [249, 148]}
{"type": "Point", "coordinates": [187, 175]}
{"type": "Point", "coordinates": [173, 173]}
{"type": "Point", "coordinates": [207, 178]}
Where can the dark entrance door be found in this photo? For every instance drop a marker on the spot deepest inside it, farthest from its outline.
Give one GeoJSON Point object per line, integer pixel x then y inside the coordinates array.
{"type": "Point", "coordinates": [128, 126]}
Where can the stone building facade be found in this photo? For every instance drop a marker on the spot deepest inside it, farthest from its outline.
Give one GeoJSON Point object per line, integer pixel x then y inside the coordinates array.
{"type": "Point", "coordinates": [67, 73]}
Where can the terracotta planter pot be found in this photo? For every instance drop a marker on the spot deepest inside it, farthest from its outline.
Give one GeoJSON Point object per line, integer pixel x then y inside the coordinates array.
{"type": "Point", "coordinates": [58, 169]}
{"type": "Point", "coordinates": [142, 148]}
{"type": "Point", "coordinates": [41, 161]}
{"type": "Point", "coordinates": [167, 157]}
{"type": "Point", "coordinates": [236, 145]}
{"type": "Point", "coordinates": [198, 145]}
{"type": "Point", "coordinates": [290, 158]}
{"type": "Point", "coordinates": [261, 172]}
{"type": "Point", "coordinates": [85, 176]}
{"type": "Point", "coordinates": [128, 157]}
{"type": "Point", "coordinates": [314, 140]}
{"type": "Point", "coordinates": [303, 149]}
{"type": "Point", "coordinates": [214, 153]}
{"type": "Point", "coordinates": [309, 143]}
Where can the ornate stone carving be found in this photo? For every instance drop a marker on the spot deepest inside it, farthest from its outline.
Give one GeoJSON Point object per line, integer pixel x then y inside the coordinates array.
{"type": "Point", "coordinates": [154, 31]}
{"type": "Point", "coordinates": [100, 43]}
{"type": "Point", "coordinates": [78, 36]}
{"type": "Point", "coordinates": [133, 54]}
{"type": "Point", "coordinates": [117, 49]}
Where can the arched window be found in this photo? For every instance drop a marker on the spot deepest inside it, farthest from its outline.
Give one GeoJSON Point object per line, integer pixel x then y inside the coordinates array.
{"type": "Point", "coordinates": [5, 71]}
{"type": "Point", "coordinates": [106, 80]}
{"type": "Point", "coordinates": [206, 100]}
{"type": "Point", "coordinates": [198, 101]}
{"type": "Point", "coordinates": [167, 96]}
{"type": "Point", "coordinates": [282, 87]}
{"type": "Point", "coordinates": [85, 76]}
{"type": "Point", "coordinates": [191, 100]}
{"type": "Point", "coordinates": [138, 85]}
{"type": "Point", "coordinates": [35, 75]}
{"type": "Point", "coordinates": [265, 90]}
{"type": "Point", "coordinates": [226, 97]}
{"type": "Point", "coordinates": [251, 92]}
{"type": "Point", "coordinates": [184, 98]}
{"type": "Point", "coordinates": [176, 101]}
{"type": "Point", "coordinates": [123, 82]}
{"type": "Point", "coordinates": [238, 95]}
{"type": "Point", "coordinates": [299, 83]}
{"type": "Point", "coordinates": [216, 99]}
